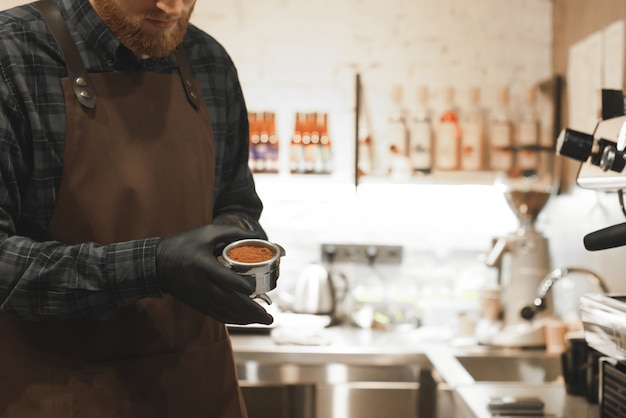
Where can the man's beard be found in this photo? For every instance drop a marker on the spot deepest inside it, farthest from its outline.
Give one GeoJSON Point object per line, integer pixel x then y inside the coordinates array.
{"type": "Point", "coordinates": [143, 42]}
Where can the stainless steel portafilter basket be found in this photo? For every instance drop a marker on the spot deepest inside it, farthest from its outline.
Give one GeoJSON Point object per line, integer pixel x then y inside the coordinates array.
{"type": "Point", "coordinates": [264, 273]}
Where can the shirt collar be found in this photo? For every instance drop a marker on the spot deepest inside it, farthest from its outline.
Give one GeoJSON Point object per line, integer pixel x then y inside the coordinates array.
{"type": "Point", "coordinates": [90, 30]}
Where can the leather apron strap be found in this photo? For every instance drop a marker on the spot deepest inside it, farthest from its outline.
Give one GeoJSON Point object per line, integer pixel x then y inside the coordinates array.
{"type": "Point", "coordinates": [76, 72]}
{"type": "Point", "coordinates": [135, 166]}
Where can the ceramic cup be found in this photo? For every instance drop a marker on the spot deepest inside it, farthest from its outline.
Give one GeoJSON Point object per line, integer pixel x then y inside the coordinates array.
{"type": "Point", "coordinates": [580, 367]}
{"type": "Point", "coordinates": [264, 274]}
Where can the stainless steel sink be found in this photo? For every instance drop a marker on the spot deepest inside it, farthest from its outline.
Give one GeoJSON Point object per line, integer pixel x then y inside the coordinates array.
{"type": "Point", "coordinates": [336, 390]}
{"type": "Point", "coordinates": [467, 376]}
{"type": "Point", "coordinates": [532, 368]}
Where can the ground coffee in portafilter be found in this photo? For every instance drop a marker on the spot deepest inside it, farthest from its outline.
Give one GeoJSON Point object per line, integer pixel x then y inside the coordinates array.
{"type": "Point", "coordinates": [250, 254]}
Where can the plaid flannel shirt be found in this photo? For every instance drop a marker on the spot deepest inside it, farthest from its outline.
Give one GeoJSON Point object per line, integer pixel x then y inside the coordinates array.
{"type": "Point", "coordinates": [40, 279]}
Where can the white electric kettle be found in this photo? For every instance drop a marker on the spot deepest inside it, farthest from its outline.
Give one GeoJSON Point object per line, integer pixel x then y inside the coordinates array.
{"type": "Point", "coordinates": [315, 292]}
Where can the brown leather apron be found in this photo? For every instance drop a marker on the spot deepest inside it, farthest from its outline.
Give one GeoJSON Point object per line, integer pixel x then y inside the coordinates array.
{"type": "Point", "coordinates": [139, 164]}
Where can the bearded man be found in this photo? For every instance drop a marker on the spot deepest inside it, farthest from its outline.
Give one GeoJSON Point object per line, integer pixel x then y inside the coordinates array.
{"type": "Point", "coordinates": [123, 170]}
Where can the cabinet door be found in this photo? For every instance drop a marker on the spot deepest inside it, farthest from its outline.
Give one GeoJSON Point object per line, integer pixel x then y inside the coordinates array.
{"type": "Point", "coordinates": [279, 401]}
{"type": "Point", "coordinates": [368, 400]}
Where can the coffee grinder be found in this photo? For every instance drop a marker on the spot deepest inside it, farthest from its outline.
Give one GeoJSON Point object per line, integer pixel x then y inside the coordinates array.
{"type": "Point", "coordinates": [523, 256]}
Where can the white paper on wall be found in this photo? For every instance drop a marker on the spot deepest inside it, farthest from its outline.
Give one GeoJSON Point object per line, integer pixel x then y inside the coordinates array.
{"type": "Point", "coordinates": [594, 63]}
{"type": "Point", "coordinates": [614, 56]}
{"type": "Point", "coordinates": [584, 81]}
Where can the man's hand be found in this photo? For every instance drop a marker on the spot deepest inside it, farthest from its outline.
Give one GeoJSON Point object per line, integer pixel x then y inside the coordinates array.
{"type": "Point", "coordinates": [188, 268]}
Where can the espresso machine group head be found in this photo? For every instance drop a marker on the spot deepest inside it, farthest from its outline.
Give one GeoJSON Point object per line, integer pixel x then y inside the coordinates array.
{"type": "Point", "coordinates": [602, 157]}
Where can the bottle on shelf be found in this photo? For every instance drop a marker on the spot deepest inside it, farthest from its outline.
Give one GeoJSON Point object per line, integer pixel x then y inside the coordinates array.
{"type": "Point", "coordinates": [272, 163]}
{"type": "Point", "coordinates": [296, 148]}
{"type": "Point", "coordinates": [258, 142]}
{"type": "Point", "coordinates": [367, 153]}
{"type": "Point", "coordinates": [473, 139]}
{"type": "Point", "coordinates": [547, 141]}
{"type": "Point", "coordinates": [397, 132]}
{"type": "Point", "coordinates": [501, 134]}
{"type": "Point", "coordinates": [311, 142]}
{"type": "Point", "coordinates": [396, 136]}
{"type": "Point", "coordinates": [325, 144]}
{"type": "Point", "coordinates": [262, 146]}
{"type": "Point", "coordinates": [448, 138]}
{"type": "Point", "coordinates": [421, 135]}
{"type": "Point", "coordinates": [527, 134]}
{"type": "Point", "coordinates": [256, 153]}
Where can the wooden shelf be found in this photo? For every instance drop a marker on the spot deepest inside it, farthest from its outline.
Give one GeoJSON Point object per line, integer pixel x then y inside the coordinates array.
{"type": "Point", "coordinates": [437, 177]}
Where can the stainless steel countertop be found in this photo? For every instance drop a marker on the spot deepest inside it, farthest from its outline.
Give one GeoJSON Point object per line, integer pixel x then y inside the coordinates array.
{"type": "Point", "coordinates": [344, 344]}
{"type": "Point", "coordinates": [349, 345]}
{"type": "Point", "coordinates": [557, 402]}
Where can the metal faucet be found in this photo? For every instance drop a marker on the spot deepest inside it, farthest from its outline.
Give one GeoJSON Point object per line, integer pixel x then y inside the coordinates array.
{"type": "Point", "coordinates": [539, 303]}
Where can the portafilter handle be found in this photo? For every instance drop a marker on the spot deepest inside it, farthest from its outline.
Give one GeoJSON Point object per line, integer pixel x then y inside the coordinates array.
{"type": "Point", "coordinates": [609, 237]}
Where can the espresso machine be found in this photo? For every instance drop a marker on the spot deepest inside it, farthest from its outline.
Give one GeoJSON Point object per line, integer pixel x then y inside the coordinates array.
{"type": "Point", "coordinates": [603, 157]}
{"type": "Point", "coordinates": [522, 257]}
{"type": "Point", "coordinates": [602, 161]}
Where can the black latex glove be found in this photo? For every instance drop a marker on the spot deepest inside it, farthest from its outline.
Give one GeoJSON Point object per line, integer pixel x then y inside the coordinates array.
{"type": "Point", "coordinates": [241, 222]}
{"type": "Point", "coordinates": [187, 267]}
